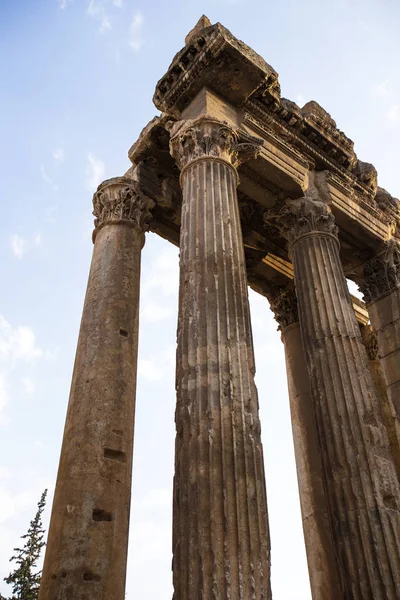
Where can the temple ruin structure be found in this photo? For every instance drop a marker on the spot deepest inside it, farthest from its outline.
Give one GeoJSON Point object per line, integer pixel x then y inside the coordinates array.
{"type": "Point", "coordinates": [255, 191]}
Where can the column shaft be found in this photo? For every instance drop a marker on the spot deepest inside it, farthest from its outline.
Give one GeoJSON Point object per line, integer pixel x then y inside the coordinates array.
{"type": "Point", "coordinates": [359, 474]}
{"type": "Point", "coordinates": [324, 579]}
{"type": "Point", "coordinates": [221, 536]}
{"type": "Point", "coordinates": [88, 536]}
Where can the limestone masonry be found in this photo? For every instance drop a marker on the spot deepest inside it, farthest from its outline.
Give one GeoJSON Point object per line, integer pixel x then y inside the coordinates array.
{"type": "Point", "coordinates": [255, 191]}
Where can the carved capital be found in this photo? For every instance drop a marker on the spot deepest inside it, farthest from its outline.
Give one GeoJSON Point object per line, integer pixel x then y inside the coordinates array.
{"type": "Point", "coordinates": [302, 217]}
{"type": "Point", "coordinates": [206, 137]}
{"type": "Point", "coordinates": [119, 200]}
{"type": "Point", "coordinates": [283, 303]}
{"type": "Point", "coordinates": [381, 274]}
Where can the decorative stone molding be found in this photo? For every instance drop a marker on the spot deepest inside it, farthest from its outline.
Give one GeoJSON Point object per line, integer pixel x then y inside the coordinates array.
{"type": "Point", "coordinates": [370, 341]}
{"type": "Point", "coordinates": [302, 217]}
{"type": "Point", "coordinates": [283, 304]}
{"type": "Point", "coordinates": [381, 274]}
{"type": "Point", "coordinates": [119, 200]}
{"type": "Point", "coordinates": [206, 137]}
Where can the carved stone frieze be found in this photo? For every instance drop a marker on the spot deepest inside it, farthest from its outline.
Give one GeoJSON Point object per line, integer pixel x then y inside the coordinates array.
{"type": "Point", "coordinates": [381, 274]}
{"type": "Point", "coordinates": [207, 137]}
{"type": "Point", "coordinates": [119, 200]}
{"type": "Point", "coordinates": [283, 303]}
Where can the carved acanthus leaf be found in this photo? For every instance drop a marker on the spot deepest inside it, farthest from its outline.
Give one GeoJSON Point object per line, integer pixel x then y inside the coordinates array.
{"type": "Point", "coordinates": [381, 274]}
{"type": "Point", "coordinates": [371, 341]}
{"type": "Point", "coordinates": [301, 217]}
{"type": "Point", "coordinates": [208, 137]}
{"type": "Point", "coordinates": [283, 303]}
{"type": "Point", "coordinates": [119, 200]}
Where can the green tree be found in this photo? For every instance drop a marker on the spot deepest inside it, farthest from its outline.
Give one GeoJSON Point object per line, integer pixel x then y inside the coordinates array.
{"type": "Point", "coordinates": [25, 579]}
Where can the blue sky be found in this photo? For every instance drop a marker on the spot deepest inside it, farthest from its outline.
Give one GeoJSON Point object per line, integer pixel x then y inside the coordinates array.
{"type": "Point", "coordinates": [77, 78]}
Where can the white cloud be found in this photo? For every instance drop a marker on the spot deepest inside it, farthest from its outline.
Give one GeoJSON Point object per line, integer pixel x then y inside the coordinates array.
{"type": "Point", "coordinates": [381, 89]}
{"type": "Point", "coordinates": [63, 4]}
{"type": "Point", "coordinates": [118, 3]}
{"type": "Point", "coordinates": [46, 177]}
{"type": "Point", "coordinates": [394, 113]}
{"type": "Point", "coordinates": [18, 343]}
{"type": "Point", "coordinates": [97, 11]}
{"type": "Point", "coordinates": [135, 31]}
{"type": "Point", "coordinates": [19, 245]}
{"type": "Point", "coordinates": [94, 171]}
{"type": "Point", "coordinates": [156, 367]}
{"type": "Point", "coordinates": [29, 385]}
{"type": "Point", "coordinates": [4, 395]}
{"type": "Point", "coordinates": [153, 312]}
{"type": "Point", "coordinates": [59, 155]}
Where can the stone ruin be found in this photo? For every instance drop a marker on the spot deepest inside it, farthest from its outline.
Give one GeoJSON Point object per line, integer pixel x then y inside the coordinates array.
{"type": "Point", "coordinates": [255, 191]}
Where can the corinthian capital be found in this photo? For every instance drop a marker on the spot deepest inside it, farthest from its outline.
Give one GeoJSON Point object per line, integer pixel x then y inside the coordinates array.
{"type": "Point", "coordinates": [302, 217]}
{"type": "Point", "coordinates": [381, 274]}
{"type": "Point", "coordinates": [119, 200]}
{"type": "Point", "coordinates": [206, 137]}
{"type": "Point", "coordinates": [283, 303]}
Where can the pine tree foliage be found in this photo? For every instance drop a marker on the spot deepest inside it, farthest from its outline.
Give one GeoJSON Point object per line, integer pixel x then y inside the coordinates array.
{"type": "Point", "coordinates": [25, 579]}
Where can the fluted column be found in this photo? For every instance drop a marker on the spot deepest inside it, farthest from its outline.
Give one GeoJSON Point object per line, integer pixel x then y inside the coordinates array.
{"type": "Point", "coordinates": [322, 569]}
{"type": "Point", "coordinates": [359, 474]}
{"type": "Point", "coordinates": [221, 541]}
{"type": "Point", "coordinates": [88, 536]}
{"type": "Point", "coordinates": [380, 284]}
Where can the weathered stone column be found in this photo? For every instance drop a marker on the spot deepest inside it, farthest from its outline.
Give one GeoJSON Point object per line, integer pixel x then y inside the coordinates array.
{"type": "Point", "coordinates": [88, 536]}
{"type": "Point", "coordinates": [322, 568]}
{"type": "Point", "coordinates": [359, 474]}
{"type": "Point", "coordinates": [389, 416]}
{"type": "Point", "coordinates": [380, 284]}
{"type": "Point", "coordinates": [221, 540]}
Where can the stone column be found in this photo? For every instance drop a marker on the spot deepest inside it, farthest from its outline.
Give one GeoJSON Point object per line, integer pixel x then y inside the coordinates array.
{"type": "Point", "coordinates": [221, 546]}
{"type": "Point", "coordinates": [88, 536]}
{"type": "Point", "coordinates": [380, 284]}
{"type": "Point", "coordinates": [324, 579]}
{"type": "Point", "coordinates": [360, 478]}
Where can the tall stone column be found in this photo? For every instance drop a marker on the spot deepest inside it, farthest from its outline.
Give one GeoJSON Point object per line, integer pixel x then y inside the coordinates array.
{"type": "Point", "coordinates": [360, 478]}
{"type": "Point", "coordinates": [88, 536]}
{"type": "Point", "coordinates": [221, 543]}
{"type": "Point", "coordinates": [380, 284]}
{"type": "Point", "coordinates": [322, 568]}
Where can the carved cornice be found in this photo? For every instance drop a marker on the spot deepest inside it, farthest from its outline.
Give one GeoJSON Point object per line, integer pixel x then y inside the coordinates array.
{"type": "Point", "coordinates": [207, 137]}
{"type": "Point", "coordinates": [119, 200]}
{"type": "Point", "coordinates": [381, 274]}
{"type": "Point", "coordinates": [305, 216]}
{"type": "Point", "coordinates": [283, 303]}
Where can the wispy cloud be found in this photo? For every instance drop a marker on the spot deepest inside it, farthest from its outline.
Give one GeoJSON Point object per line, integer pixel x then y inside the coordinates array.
{"type": "Point", "coordinates": [18, 343]}
{"type": "Point", "coordinates": [381, 89]}
{"type": "Point", "coordinates": [94, 171]}
{"type": "Point", "coordinates": [394, 113]}
{"type": "Point", "coordinates": [63, 4]}
{"type": "Point", "coordinates": [135, 31]}
{"type": "Point", "coordinates": [96, 10]}
{"type": "Point", "coordinates": [46, 177]}
{"type": "Point", "coordinates": [59, 155]}
{"type": "Point", "coordinates": [118, 3]}
{"type": "Point", "coordinates": [29, 385]}
{"type": "Point", "coordinates": [19, 245]}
